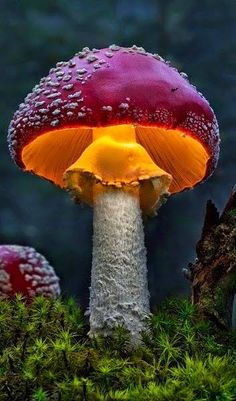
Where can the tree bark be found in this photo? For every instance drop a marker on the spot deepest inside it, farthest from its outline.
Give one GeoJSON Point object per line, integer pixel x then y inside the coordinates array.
{"type": "Point", "coordinates": [213, 274]}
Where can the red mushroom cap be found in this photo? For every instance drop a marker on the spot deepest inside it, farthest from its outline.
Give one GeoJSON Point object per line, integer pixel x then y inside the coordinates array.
{"type": "Point", "coordinates": [115, 86]}
{"type": "Point", "coordinates": [25, 271]}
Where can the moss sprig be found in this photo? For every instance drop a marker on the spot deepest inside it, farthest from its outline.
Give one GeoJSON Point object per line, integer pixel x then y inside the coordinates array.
{"type": "Point", "coordinates": [45, 354]}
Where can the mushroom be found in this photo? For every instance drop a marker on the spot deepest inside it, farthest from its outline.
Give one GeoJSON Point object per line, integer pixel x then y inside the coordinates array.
{"type": "Point", "coordinates": [121, 130]}
{"type": "Point", "coordinates": [25, 271]}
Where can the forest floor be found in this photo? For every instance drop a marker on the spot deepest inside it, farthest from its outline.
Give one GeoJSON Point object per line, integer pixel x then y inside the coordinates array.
{"type": "Point", "coordinates": [45, 354]}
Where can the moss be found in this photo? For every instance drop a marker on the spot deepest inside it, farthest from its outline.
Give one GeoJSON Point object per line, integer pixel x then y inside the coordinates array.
{"type": "Point", "coordinates": [45, 355]}
{"type": "Point", "coordinates": [232, 212]}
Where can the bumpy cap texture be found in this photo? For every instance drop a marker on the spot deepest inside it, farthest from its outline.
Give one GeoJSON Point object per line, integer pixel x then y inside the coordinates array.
{"type": "Point", "coordinates": [25, 271]}
{"type": "Point", "coordinates": [115, 85]}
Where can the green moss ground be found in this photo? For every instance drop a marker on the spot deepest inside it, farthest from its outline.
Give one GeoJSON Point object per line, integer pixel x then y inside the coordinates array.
{"type": "Point", "coordinates": [46, 355]}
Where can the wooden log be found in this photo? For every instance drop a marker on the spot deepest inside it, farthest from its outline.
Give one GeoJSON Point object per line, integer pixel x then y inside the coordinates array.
{"type": "Point", "coordinates": [213, 274]}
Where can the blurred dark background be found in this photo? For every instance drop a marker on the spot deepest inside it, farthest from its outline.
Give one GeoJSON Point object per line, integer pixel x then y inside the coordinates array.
{"type": "Point", "coordinates": [199, 38]}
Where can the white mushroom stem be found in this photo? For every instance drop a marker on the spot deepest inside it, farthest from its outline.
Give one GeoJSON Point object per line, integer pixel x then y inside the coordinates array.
{"type": "Point", "coordinates": [119, 290]}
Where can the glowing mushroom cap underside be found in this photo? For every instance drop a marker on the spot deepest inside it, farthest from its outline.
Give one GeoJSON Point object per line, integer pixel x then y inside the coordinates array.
{"type": "Point", "coordinates": [109, 87]}
{"type": "Point", "coordinates": [25, 271]}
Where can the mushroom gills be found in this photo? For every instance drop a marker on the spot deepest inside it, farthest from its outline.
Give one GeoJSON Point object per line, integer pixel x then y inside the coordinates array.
{"type": "Point", "coordinates": [114, 159]}
{"type": "Point", "coordinates": [174, 151]}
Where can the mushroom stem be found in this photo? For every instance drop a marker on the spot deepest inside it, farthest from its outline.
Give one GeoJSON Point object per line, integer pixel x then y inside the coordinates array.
{"type": "Point", "coordinates": [119, 289]}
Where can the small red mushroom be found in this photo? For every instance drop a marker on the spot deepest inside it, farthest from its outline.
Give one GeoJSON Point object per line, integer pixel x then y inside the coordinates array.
{"type": "Point", "coordinates": [27, 272]}
{"type": "Point", "coordinates": [122, 130]}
